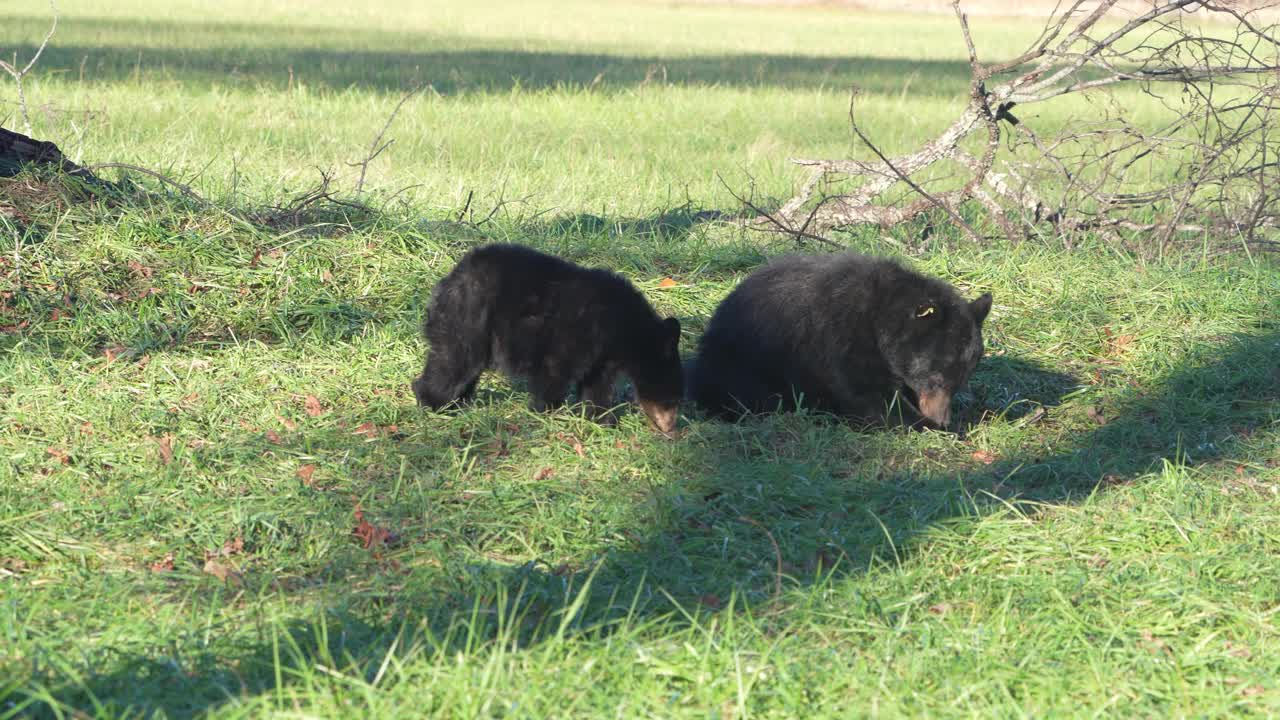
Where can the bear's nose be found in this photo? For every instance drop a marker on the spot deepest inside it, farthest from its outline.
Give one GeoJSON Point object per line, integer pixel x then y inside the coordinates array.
{"type": "Point", "coordinates": [935, 406]}
{"type": "Point", "coordinates": [663, 417]}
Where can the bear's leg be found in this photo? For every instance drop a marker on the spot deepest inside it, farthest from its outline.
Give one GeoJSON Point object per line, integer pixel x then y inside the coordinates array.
{"type": "Point", "coordinates": [445, 378]}
{"type": "Point", "coordinates": [857, 404]}
{"type": "Point", "coordinates": [469, 392]}
{"type": "Point", "coordinates": [729, 389]}
{"type": "Point", "coordinates": [597, 394]}
{"type": "Point", "coordinates": [547, 392]}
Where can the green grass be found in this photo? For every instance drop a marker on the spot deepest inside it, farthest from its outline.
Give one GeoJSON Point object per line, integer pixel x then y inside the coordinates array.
{"type": "Point", "coordinates": [176, 519]}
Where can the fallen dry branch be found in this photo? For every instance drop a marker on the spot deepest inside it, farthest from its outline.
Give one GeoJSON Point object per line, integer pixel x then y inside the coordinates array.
{"type": "Point", "coordinates": [18, 151]}
{"type": "Point", "coordinates": [1211, 169]}
{"type": "Point", "coordinates": [185, 189]}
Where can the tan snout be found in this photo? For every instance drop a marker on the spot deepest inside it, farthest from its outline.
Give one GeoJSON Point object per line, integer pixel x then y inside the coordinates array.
{"type": "Point", "coordinates": [935, 406]}
{"type": "Point", "coordinates": [663, 417]}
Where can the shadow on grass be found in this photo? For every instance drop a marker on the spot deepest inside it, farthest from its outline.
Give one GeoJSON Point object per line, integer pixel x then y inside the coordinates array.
{"type": "Point", "coordinates": [235, 54]}
{"type": "Point", "coordinates": [832, 509]}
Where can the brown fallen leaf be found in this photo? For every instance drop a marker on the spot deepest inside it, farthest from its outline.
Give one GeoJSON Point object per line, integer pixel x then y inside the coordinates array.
{"type": "Point", "coordinates": [164, 444]}
{"type": "Point", "coordinates": [941, 608]}
{"type": "Point", "coordinates": [496, 448]}
{"type": "Point", "coordinates": [273, 436]}
{"type": "Point", "coordinates": [287, 423]}
{"type": "Point", "coordinates": [371, 536]}
{"type": "Point", "coordinates": [113, 352]}
{"type": "Point", "coordinates": [367, 429]}
{"type": "Point", "coordinates": [220, 570]}
{"type": "Point", "coordinates": [234, 546]}
{"type": "Point", "coordinates": [574, 442]}
{"type": "Point", "coordinates": [58, 454]}
{"type": "Point", "coordinates": [13, 329]}
{"type": "Point", "coordinates": [140, 269]}
{"type": "Point", "coordinates": [1238, 651]}
{"type": "Point", "coordinates": [984, 457]}
{"type": "Point", "coordinates": [305, 472]}
{"type": "Point", "coordinates": [1253, 690]}
{"type": "Point", "coordinates": [711, 600]}
{"type": "Point", "coordinates": [1117, 344]}
{"type": "Point", "coordinates": [1153, 643]}
{"type": "Point", "coordinates": [313, 406]}
{"type": "Point", "coordinates": [1095, 414]}
{"type": "Point", "coordinates": [164, 564]}
{"type": "Point", "coordinates": [544, 473]}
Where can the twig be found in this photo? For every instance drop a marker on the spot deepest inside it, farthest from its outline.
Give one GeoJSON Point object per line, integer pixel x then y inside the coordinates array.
{"type": "Point", "coordinates": [18, 75]}
{"type": "Point", "coordinates": [466, 206]}
{"type": "Point", "coordinates": [145, 171]}
{"type": "Point", "coordinates": [798, 234]}
{"type": "Point", "coordinates": [375, 149]}
{"type": "Point", "coordinates": [853, 123]}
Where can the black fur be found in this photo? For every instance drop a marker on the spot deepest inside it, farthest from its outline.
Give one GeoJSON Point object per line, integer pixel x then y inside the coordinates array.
{"type": "Point", "coordinates": [557, 324]}
{"type": "Point", "coordinates": [844, 332]}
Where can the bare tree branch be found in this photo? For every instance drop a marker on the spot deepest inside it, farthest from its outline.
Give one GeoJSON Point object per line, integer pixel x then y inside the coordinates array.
{"type": "Point", "coordinates": [945, 207]}
{"type": "Point", "coordinates": [18, 75]}
{"type": "Point", "coordinates": [1212, 164]}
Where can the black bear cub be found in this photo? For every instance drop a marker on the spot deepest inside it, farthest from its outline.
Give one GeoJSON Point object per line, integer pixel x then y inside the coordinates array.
{"type": "Point", "coordinates": [536, 316]}
{"type": "Point", "coordinates": [839, 333]}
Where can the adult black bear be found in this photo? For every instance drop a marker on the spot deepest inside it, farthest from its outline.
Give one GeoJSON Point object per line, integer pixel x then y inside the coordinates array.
{"type": "Point", "coordinates": [536, 316]}
{"type": "Point", "coordinates": [841, 333]}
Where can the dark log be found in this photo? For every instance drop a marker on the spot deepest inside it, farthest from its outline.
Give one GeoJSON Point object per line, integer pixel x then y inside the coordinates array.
{"type": "Point", "coordinates": [18, 151]}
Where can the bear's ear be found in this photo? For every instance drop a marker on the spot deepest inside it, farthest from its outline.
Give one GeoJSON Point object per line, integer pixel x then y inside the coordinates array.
{"type": "Point", "coordinates": [980, 308]}
{"type": "Point", "coordinates": [671, 334]}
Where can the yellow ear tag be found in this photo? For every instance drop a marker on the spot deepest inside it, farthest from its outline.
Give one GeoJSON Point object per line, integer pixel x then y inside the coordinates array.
{"type": "Point", "coordinates": [925, 311]}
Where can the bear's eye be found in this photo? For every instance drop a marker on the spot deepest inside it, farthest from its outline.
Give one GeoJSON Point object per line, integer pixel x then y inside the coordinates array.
{"type": "Point", "coordinates": [925, 311]}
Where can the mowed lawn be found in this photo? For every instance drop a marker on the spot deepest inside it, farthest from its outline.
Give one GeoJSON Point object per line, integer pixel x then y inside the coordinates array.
{"type": "Point", "coordinates": [218, 498]}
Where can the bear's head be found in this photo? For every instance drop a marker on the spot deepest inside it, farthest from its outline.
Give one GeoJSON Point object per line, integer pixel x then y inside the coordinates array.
{"type": "Point", "coordinates": [932, 341]}
{"type": "Point", "coordinates": [656, 372]}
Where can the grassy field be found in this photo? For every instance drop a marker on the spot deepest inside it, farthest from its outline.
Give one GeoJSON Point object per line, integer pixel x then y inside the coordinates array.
{"type": "Point", "coordinates": [217, 496]}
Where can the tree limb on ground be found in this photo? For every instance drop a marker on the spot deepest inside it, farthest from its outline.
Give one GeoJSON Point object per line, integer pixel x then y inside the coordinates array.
{"type": "Point", "coordinates": [1213, 169]}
